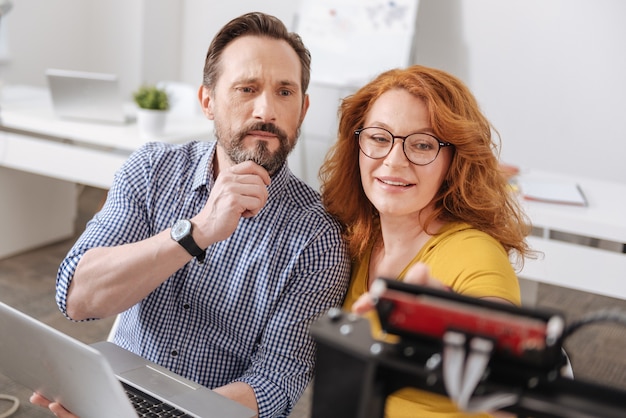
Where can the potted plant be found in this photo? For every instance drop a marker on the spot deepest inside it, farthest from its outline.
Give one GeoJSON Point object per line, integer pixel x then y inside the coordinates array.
{"type": "Point", "coordinates": [153, 104]}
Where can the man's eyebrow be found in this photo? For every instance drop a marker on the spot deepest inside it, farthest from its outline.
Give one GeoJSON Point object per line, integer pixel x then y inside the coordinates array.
{"type": "Point", "coordinates": [289, 83]}
{"type": "Point", "coordinates": [246, 80]}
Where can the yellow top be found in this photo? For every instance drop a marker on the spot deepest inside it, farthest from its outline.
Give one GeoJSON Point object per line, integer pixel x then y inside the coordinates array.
{"type": "Point", "coordinates": [469, 261]}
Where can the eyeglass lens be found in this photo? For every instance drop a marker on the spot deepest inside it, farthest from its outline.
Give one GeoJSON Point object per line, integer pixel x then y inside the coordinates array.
{"type": "Point", "coordinates": [419, 148]}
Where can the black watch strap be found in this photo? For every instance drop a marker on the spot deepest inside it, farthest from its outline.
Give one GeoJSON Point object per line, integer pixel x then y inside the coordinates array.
{"type": "Point", "coordinates": [192, 248]}
{"type": "Point", "coordinates": [181, 232]}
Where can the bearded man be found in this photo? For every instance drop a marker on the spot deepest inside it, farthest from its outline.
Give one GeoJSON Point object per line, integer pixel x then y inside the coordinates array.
{"type": "Point", "coordinates": [215, 256]}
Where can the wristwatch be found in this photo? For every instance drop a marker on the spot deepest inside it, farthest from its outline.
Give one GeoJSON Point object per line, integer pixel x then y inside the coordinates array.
{"type": "Point", "coordinates": [181, 233]}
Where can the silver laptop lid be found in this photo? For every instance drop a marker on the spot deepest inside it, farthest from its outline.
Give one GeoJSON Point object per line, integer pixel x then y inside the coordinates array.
{"type": "Point", "coordinates": [59, 367]}
{"type": "Point", "coordinates": [87, 96]}
{"type": "Point", "coordinates": [163, 384]}
{"type": "Point", "coordinates": [86, 379]}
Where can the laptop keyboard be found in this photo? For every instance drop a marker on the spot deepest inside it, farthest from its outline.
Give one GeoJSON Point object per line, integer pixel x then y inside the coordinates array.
{"type": "Point", "coordinates": [147, 406]}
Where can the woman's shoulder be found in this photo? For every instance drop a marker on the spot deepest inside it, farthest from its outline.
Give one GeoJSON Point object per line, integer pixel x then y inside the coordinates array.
{"type": "Point", "coordinates": [472, 262]}
{"type": "Point", "coordinates": [460, 231]}
{"type": "Point", "coordinates": [457, 236]}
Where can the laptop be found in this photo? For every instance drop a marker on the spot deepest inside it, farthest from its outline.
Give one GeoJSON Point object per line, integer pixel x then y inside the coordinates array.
{"type": "Point", "coordinates": [101, 380]}
{"type": "Point", "coordinates": [92, 97]}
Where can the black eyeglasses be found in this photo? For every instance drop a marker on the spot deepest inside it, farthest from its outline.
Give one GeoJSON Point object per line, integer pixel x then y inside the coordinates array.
{"type": "Point", "coordinates": [419, 148]}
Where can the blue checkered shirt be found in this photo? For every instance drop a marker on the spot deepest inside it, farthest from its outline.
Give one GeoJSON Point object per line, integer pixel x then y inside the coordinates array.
{"type": "Point", "coordinates": [244, 314]}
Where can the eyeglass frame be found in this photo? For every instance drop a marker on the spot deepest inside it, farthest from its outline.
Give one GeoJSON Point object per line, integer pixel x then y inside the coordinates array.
{"type": "Point", "coordinates": [357, 134]}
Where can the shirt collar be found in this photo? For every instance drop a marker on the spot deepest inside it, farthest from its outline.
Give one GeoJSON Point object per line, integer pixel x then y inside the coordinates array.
{"type": "Point", "coordinates": [279, 180]}
{"type": "Point", "coordinates": [203, 176]}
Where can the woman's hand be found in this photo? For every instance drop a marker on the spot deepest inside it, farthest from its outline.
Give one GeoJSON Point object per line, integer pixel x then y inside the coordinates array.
{"type": "Point", "coordinates": [54, 407]}
{"type": "Point", "coordinates": [418, 274]}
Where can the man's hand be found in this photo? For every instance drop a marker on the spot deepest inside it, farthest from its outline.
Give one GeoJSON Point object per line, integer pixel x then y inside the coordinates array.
{"type": "Point", "coordinates": [239, 191]}
{"type": "Point", "coordinates": [418, 274]}
{"type": "Point", "coordinates": [54, 407]}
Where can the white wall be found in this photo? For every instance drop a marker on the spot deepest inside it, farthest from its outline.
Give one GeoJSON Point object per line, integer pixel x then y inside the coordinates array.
{"type": "Point", "coordinates": [550, 74]}
{"type": "Point", "coordinates": [556, 94]}
{"type": "Point", "coordinates": [137, 39]}
{"type": "Point", "coordinates": [37, 32]}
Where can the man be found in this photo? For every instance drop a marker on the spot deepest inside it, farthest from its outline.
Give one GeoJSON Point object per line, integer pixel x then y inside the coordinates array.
{"type": "Point", "coordinates": [217, 255]}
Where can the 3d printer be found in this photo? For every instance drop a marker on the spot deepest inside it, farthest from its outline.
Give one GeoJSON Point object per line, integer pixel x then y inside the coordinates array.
{"type": "Point", "coordinates": [485, 356]}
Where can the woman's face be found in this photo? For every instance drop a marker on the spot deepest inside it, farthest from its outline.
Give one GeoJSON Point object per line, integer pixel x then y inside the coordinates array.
{"type": "Point", "coordinates": [394, 185]}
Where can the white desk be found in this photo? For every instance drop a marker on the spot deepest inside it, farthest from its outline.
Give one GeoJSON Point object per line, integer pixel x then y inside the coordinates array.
{"type": "Point", "coordinates": [42, 157]}
{"type": "Point", "coordinates": [592, 260]}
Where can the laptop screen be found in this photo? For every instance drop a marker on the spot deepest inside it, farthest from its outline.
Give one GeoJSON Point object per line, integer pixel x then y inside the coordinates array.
{"type": "Point", "coordinates": [86, 96]}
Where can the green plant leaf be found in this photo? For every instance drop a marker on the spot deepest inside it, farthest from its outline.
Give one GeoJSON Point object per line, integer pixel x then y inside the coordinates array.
{"type": "Point", "coordinates": [151, 97]}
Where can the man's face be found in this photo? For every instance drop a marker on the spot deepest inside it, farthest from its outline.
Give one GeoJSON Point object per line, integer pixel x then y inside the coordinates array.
{"type": "Point", "coordinates": [257, 103]}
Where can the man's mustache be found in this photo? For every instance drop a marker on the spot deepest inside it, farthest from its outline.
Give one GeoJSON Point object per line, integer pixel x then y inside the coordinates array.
{"type": "Point", "coordinates": [264, 127]}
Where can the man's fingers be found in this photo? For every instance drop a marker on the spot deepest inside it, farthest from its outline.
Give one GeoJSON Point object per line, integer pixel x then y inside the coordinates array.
{"type": "Point", "coordinates": [240, 199]}
{"type": "Point", "coordinates": [251, 168]}
{"type": "Point", "coordinates": [37, 399]}
{"type": "Point", "coordinates": [245, 187]}
{"type": "Point", "coordinates": [239, 191]}
{"type": "Point", "coordinates": [58, 410]}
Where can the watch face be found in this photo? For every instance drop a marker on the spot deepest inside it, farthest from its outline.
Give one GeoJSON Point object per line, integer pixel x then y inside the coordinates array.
{"type": "Point", "coordinates": [180, 229]}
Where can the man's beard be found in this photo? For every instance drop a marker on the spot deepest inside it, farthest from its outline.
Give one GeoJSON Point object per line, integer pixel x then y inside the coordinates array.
{"type": "Point", "coordinates": [260, 154]}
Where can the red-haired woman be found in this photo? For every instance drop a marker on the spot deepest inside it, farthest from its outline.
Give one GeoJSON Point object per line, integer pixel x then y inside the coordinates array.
{"type": "Point", "coordinates": [414, 177]}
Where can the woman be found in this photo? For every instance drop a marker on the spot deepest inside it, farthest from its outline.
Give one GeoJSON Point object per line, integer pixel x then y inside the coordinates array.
{"type": "Point", "coordinates": [415, 179]}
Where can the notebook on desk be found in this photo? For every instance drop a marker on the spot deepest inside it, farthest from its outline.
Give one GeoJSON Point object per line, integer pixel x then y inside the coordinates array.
{"type": "Point", "coordinates": [552, 191]}
{"type": "Point", "coordinates": [93, 97]}
{"type": "Point", "coordinates": [90, 380]}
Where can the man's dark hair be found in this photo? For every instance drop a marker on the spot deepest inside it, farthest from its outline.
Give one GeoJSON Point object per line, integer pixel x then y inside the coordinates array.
{"type": "Point", "coordinates": [255, 24]}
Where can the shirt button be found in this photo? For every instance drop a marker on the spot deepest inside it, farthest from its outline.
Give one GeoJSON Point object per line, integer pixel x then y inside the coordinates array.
{"type": "Point", "coordinates": [174, 353]}
{"type": "Point", "coordinates": [186, 306]}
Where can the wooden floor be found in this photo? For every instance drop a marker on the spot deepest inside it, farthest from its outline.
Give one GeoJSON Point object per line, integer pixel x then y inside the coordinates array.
{"type": "Point", "coordinates": [27, 283]}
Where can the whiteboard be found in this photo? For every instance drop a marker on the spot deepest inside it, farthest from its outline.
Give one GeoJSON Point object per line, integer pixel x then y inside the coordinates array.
{"type": "Point", "coordinates": [352, 41]}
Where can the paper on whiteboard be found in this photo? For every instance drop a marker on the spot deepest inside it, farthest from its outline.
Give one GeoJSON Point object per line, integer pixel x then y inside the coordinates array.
{"type": "Point", "coordinates": [351, 41]}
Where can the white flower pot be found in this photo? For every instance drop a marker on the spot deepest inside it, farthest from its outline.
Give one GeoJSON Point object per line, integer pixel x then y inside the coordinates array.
{"type": "Point", "coordinates": [151, 123]}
